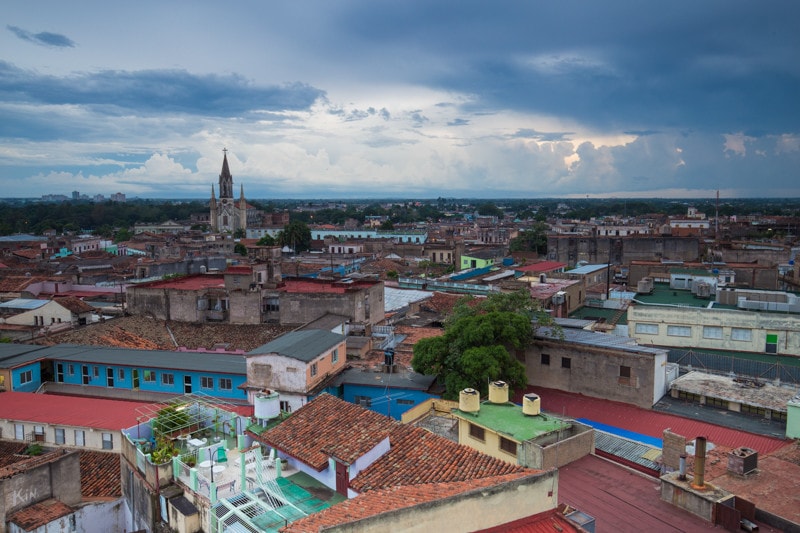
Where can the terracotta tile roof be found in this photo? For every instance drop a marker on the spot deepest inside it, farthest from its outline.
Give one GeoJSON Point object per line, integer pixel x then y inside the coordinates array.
{"type": "Point", "coordinates": [377, 502]}
{"type": "Point", "coordinates": [418, 456]}
{"type": "Point", "coordinates": [316, 431]}
{"type": "Point", "coordinates": [100, 475]}
{"type": "Point", "coordinates": [552, 521]}
{"type": "Point", "coordinates": [74, 304]}
{"type": "Point", "coordinates": [328, 426]}
{"type": "Point", "coordinates": [443, 302]}
{"type": "Point", "coordinates": [542, 266]}
{"type": "Point", "coordinates": [28, 253]}
{"type": "Point", "coordinates": [18, 283]}
{"type": "Point", "coordinates": [41, 513]}
{"type": "Point", "coordinates": [10, 451]}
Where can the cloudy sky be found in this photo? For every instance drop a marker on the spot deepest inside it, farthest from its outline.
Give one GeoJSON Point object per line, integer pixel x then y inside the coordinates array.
{"type": "Point", "coordinates": [406, 99]}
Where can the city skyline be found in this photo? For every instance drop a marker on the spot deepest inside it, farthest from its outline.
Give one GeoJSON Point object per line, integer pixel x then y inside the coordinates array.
{"type": "Point", "coordinates": [418, 99]}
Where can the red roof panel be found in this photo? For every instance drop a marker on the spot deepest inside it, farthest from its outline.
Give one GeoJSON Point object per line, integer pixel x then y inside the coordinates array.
{"type": "Point", "coordinates": [69, 410]}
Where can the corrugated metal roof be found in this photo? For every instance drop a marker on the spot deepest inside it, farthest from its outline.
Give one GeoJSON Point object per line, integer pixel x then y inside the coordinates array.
{"type": "Point", "coordinates": [190, 361]}
{"type": "Point", "coordinates": [399, 380]}
{"type": "Point", "coordinates": [631, 451]}
{"type": "Point", "coordinates": [304, 345]}
{"type": "Point", "coordinates": [601, 340]}
{"type": "Point", "coordinates": [648, 422]}
{"type": "Point", "coordinates": [24, 304]}
{"type": "Point", "coordinates": [94, 413]}
{"type": "Point", "coordinates": [395, 299]}
{"type": "Point", "coordinates": [587, 269]}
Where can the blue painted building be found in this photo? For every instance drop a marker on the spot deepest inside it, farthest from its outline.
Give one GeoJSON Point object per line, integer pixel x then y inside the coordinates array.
{"type": "Point", "coordinates": [218, 375]}
{"type": "Point", "coordinates": [385, 393]}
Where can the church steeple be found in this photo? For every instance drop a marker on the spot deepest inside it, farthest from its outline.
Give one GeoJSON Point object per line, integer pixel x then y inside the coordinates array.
{"type": "Point", "coordinates": [225, 178]}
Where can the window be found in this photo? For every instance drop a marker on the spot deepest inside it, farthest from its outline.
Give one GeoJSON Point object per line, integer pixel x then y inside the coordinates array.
{"type": "Point", "coordinates": [286, 407]}
{"type": "Point", "coordinates": [679, 331]}
{"type": "Point", "coordinates": [149, 376]}
{"type": "Point", "coordinates": [646, 329]}
{"type": "Point", "coordinates": [712, 332]}
{"type": "Point", "coordinates": [25, 377]}
{"type": "Point", "coordinates": [363, 401]}
{"type": "Point", "coordinates": [508, 446]}
{"type": "Point", "coordinates": [108, 441]}
{"type": "Point", "coordinates": [80, 437]}
{"type": "Point", "coordinates": [624, 371]}
{"type": "Point", "coordinates": [477, 432]}
{"type": "Point", "coordinates": [167, 379]}
{"type": "Point", "coordinates": [313, 369]}
{"type": "Point", "coordinates": [405, 402]}
{"type": "Point", "coordinates": [741, 334]}
{"type": "Point", "coordinates": [335, 356]}
{"type": "Point", "coordinates": [546, 359]}
{"type": "Point", "coordinates": [60, 436]}
{"type": "Point", "coordinates": [566, 362]}
{"type": "Point", "coordinates": [206, 382]}
{"type": "Point", "coordinates": [121, 373]}
{"type": "Point", "coordinates": [19, 431]}
{"type": "Point", "coordinates": [225, 384]}
{"type": "Point", "coordinates": [96, 372]}
{"type": "Point", "coordinates": [772, 343]}
{"type": "Point", "coordinates": [71, 370]}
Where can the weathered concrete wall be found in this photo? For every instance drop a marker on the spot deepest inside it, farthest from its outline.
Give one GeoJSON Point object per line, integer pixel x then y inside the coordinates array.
{"type": "Point", "coordinates": [471, 511]}
{"type": "Point", "coordinates": [145, 301]}
{"type": "Point", "coordinates": [140, 499]}
{"type": "Point", "coordinates": [622, 250]}
{"type": "Point", "coordinates": [559, 449]}
{"type": "Point", "coordinates": [300, 308]}
{"type": "Point", "coordinates": [245, 307]}
{"type": "Point", "coordinates": [59, 477]}
{"type": "Point", "coordinates": [593, 371]}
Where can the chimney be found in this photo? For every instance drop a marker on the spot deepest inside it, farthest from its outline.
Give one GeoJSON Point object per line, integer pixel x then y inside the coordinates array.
{"type": "Point", "coordinates": [699, 463]}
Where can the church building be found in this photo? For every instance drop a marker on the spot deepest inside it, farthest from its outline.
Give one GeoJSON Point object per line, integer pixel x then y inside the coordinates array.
{"type": "Point", "coordinates": [227, 215]}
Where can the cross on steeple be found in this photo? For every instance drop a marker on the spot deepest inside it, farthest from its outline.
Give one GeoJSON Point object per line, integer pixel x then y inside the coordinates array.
{"type": "Point", "coordinates": [225, 151]}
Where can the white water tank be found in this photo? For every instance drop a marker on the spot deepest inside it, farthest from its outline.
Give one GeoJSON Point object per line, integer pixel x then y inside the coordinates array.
{"type": "Point", "coordinates": [531, 404]}
{"type": "Point", "coordinates": [267, 405]}
{"type": "Point", "coordinates": [498, 392]}
{"type": "Point", "coordinates": [469, 401]}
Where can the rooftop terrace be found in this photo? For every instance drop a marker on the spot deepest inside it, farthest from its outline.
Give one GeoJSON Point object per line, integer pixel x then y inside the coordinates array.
{"type": "Point", "coordinates": [508, 419]}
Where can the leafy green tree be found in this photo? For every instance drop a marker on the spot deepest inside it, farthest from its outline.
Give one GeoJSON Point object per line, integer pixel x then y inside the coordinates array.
{"type": "Point", "coordinates": [240, 249]}
{"type": "Point", "coordinates": [387, 225]}
{"type": "Point", "coordinates": [122, 235]}
{"type": "Point", "coordinates": [478, 342]}
{"type": "Point", "coordinates": [239, 234]}
{"type": "Point", "coordinates": [531, 240]}
{"type": "Point", "coordinates": [266, 240]}
{"type": "Point", "coordinates": [489, 209]}
{"type": "Point", "coordinates": [295, 234]}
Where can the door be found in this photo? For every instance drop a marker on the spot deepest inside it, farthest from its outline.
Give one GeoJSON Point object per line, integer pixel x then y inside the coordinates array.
{"type": "Point", "coordinates": [60, 373]}
{"type": "Point", "coordinates": [135, 378]}
{"type": "Point", "coordinates": [187, 384]}
{"type": "Point", "coordinates": [341, 478]}
{"type": "Point", "coordinates": [85, 374]}
{"type": "Point", "coordinates": [110, 377]}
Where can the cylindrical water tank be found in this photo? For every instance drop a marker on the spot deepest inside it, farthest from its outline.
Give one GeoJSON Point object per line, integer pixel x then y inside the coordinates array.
{"type": "Point", "coordinates": [498, 392]}
{"type": "Point", "coordinates": [267, 405]}
{"type": "Point", "coordinates": [469, 401]}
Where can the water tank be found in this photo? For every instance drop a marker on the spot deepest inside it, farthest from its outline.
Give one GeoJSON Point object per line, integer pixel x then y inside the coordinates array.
{"type": "Point", "coordinates": [498, 392]}
{"type": "Point", "coordinates": [267, 405]}
{"type": "Point", "coordinates": [531, 404]}
{"type": "Point", "coordinates": [559, 298]}
{"type": "Point", "coordinates": [469, 401]}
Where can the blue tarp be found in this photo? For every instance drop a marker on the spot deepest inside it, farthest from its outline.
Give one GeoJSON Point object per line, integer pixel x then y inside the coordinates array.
{"type": "Point", "coordinates": [624, 433]}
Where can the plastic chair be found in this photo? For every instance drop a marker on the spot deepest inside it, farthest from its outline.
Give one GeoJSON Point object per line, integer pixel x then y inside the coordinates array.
{"type": "Point", "coordinates": [222, 457]}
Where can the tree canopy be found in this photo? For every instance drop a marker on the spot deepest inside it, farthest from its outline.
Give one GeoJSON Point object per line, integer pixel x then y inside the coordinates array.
{"type": "Point", "coordinates": [478, 342]}
{"type": "Point", "coordinates": [296, 235]}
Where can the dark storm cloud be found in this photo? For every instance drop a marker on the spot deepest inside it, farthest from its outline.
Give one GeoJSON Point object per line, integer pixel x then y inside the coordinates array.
{"type": "Point", "coordinates": [154, 91]}
{"type": "Point", "coordinates": [716, 65]}
{"type": "Point", "coordinates": [44, 38]}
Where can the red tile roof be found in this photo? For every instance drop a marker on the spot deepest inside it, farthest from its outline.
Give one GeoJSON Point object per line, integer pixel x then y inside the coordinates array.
{"type": "Point", "coordinates": [100, 475]}
{"type": "Point", "coordinates": [41, 513]}
{"type": "Point", "coordinates": [377, 502]}
{"type": "Point", "coordinates": [551, 521]}
{"type": "Point", "coordinates": [328, 426]}
{"type": "Point", "coordinates": [69, 410]}
{"type": "Point", "coordinates": [646, 421]}
{"type": "Point", "coordinates": [74, 305]}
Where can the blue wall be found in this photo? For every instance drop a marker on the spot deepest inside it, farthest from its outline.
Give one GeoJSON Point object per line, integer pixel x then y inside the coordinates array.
{"type": "Point", "coordinates": [36, 377]}
{"type": "Point", "coordinates": [98, 377]}
{"type": "Point", "coordinates": [398, 402]}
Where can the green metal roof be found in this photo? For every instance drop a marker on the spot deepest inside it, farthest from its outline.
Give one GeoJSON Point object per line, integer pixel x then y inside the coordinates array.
{"type": "Point", "coordinates": [304, 345]}
{"type": "Point", "coordinates": [662, 294]}
{"type": "Point", "coordinates": [507, 419]}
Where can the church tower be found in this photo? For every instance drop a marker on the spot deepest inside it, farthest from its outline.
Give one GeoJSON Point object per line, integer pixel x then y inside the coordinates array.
{"type": "Point", "coordinates": [224, 215]}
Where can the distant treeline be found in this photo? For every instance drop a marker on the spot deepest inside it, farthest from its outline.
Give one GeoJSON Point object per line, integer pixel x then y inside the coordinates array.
{"type": "Point", "coordinates": [106, 218]}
